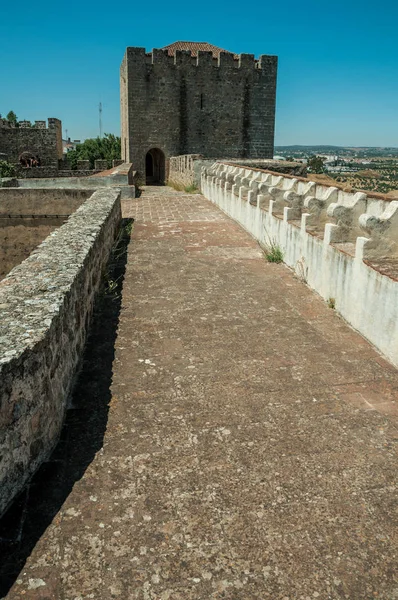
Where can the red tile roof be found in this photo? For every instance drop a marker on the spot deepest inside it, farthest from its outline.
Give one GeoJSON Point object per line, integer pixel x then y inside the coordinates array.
{"type": "Point", "coordinates": [194, 47]}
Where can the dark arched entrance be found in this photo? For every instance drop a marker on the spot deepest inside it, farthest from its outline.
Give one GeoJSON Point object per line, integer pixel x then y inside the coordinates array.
{"type": "Point", "coordinates": [155, 167]}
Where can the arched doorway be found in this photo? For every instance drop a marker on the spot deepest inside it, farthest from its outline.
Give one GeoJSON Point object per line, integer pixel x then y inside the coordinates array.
{"type": "Point", "coordinates": [155, 167]}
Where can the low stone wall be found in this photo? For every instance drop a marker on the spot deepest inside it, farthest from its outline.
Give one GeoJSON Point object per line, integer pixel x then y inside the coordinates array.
{"type": "Point", "coordinates": [121, 174]}
{"type": "Point", "coordinates": [277, 166]}
{"type": "Point", "coordinates": [117, 162]}
{"type": "Point", "coordinates": [344, 245]}
{"type": "Point", "coordinates": [121, 177]}
{"type": "Point", "coordinates": [76, 172]}
{"type": "Point", "coordinates": [8, 182]}
{"type": "Point", "coordinates": [36, 172]}
{"type": "Point", "coordinates": [185, 170]}
{"type": "Point", "coordinates": [19, 237]}
{"type": "Point", "coordinates": [28, 216]}
{"type": "Point", "coordinates": [181, 172]}
{"type": "Point", "coordinates": [46, 304]}
{"type": "Point", "coordinates": [101, 165]}
{"type": "Point", "coordinates": [83, 165]}
{"type": "Point", "coordinates": [41, 201]}
{"type": "Point", "coordinates": [50, 171]}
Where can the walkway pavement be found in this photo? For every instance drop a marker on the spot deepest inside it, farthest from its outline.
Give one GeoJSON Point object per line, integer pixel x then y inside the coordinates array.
{"type": "Point", "coordinates": [251, 445]}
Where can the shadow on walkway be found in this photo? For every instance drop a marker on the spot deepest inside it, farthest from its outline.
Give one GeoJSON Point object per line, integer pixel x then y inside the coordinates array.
{"type": "Point", "coordinates": [82, 434]}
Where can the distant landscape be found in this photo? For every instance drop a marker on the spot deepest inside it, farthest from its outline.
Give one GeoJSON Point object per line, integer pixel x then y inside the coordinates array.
{"type": "Point", "coordinates": [364, 168]}
{"type": "Point", "coordinates": [360, 152]}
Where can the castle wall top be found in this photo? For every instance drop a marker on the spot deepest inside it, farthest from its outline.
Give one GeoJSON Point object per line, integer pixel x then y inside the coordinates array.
{"type": "Point", "coordinates": [201, 58]}
{"type": "Point", "coordinates": [52, 122]}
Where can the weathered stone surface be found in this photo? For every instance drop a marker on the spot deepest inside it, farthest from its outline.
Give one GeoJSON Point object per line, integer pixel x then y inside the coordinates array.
{"type": "Point", "coordinates": [41, 201]}
{"type": "Point", "coordinates": [101, 165]}
{"type": "Point", "coordinates": [277, 166]}
{"type": "Point", "coordinates": [251, 445]}
{"type": "Point", "coordinates": [186, 170]}
{"type": "Point", "coordinates": [184, 104]}
{"type": "Point", "coordinates": [83, 165]}
{"type": "Point", "coordinates": [46, 304]}
{"type": "Point", "coordinates": [45, 143]}
{"type": "Point", "coordinates": [28, 216]}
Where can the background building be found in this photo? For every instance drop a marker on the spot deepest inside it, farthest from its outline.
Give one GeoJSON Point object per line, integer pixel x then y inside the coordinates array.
{"type": "Point", "coordinates": [38, 140]}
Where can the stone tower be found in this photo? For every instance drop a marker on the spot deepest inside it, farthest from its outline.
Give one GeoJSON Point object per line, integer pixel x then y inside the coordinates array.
{"type": "Point", "coordinates": [195, 98]}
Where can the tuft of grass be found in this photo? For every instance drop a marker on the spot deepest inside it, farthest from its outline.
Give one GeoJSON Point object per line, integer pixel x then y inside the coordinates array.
{"type": "Point", "coordinates": [274, 253]}
{"type": "Point", "coordinates": [332, 303]}
{"type": "Point", "coordinates": [191, 189]}
{"type": "Point", "coordinates": [129, 227]}
{"type": "Point", "coordinates": [179, 187]}
{"type": "Point", "coordinates": [176, 186]}
{"type": "Point", "coordinates": [112, 284]}
{"type": "Point", "coordinates": [111, 287]}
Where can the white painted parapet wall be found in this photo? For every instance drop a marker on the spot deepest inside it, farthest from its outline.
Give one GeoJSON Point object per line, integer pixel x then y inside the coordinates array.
{"type": "Point", "coordinates": [325, 235]}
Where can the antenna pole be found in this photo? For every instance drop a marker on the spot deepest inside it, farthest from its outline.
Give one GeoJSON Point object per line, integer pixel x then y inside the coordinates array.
{"type": "Point", "coordinates": [100, 119]}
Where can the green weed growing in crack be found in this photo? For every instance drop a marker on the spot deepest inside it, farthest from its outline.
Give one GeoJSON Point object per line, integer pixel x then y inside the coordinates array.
{"type": "Point", "coordinates": [273, 252]}
{"type": "Point", "coordinates": [111, 283]}
{"type": "Point", "coordinates": [111, 287]}
{"type": "Point", "coordinates": [331, 303]}
{"type": "Point", "coordinates": [191, 189]}
{"type": "Point", "coordinates": [129, 227]}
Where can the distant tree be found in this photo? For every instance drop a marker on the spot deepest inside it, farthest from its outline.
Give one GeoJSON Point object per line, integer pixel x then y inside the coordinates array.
{"type": "Point", "coordinates": [106, 148]}
{"type": "Point", "coordinates": [289, 158]}
{"type": "Point", "coordinates": [316, 164]}
{"type": "Point", "coordinates": [12, 118]}
{"type": "Point", "coordinates": [6, 170]}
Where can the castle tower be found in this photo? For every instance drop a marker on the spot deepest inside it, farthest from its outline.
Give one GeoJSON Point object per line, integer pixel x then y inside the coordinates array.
{"type": "Point", "coordinates": [195, 98]}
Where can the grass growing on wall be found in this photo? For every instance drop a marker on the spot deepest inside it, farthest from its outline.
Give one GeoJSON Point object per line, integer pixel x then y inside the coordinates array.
{"type": "Point", "coordinates": [179, 187]}
{"type": "Point", "coordinates": [273, 251]}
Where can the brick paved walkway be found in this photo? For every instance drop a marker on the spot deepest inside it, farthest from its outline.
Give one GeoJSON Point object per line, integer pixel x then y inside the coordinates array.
{"type": "Point", "coordinates": [251, 444]}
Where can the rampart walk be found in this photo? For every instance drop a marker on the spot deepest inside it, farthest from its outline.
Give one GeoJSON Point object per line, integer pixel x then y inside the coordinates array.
{"type": "Point", "coordinates": [251, 444]}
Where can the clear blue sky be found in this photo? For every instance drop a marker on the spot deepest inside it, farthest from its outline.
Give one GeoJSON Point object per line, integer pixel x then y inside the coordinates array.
{"type": "Point", "coordinates": [338, 61]}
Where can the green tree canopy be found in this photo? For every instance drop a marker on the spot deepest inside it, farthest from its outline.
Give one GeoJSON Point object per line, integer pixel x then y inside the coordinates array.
{"type": "Point", "coordinates": [106, 148]}
{"type": "Point", "coordinates": [315, 164]}
{"type": "Point", "coordinates": [12, 117]}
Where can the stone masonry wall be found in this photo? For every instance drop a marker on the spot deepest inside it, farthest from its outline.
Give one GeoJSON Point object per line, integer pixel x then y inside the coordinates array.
{"type": "Point", "coordinates": [28, 216]}
{"type": "Point", "coordinates": [19, 237]}
{"type": "Point", "coordinates": [187, 105]}
{"type": "Point", "coordinates": [36, 172]}
{"type": "Point", "coordinates": [46, 305]}
{"type": "Point", "coordinates": [43, 142]}
{"type": "Point", "coordinates": [41, 201]}
{"type": "Point", "coordinates": [53, 171]}
{"type": "Point", "coordinates": [185, 171]}
{"type": "Point", "coordinates": [277, 166]}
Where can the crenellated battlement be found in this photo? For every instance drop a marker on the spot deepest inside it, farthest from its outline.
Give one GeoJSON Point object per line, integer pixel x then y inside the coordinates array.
{"type": "Point", "coordinates": [195, 98]}
{"type": "Point", "coordinates": [342, 244]}
{"type": "Point", "coordinates": [41, 139]}
{"type": "Point", "coordinates": [203, 58]}
{"type": "Point", "coordinates": [23, 124]}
